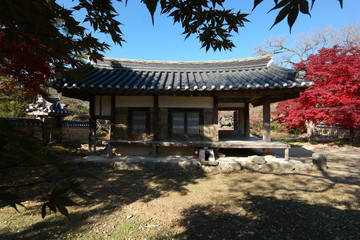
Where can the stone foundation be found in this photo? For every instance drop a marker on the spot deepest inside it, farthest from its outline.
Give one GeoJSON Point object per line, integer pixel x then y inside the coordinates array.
{"type": "Point", "coordinates": [225, 164]}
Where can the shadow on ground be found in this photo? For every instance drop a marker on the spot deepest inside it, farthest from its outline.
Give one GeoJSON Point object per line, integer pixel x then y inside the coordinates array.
{"type": "Point", "coordinates": [111, 191]}
{"type": "Point", "coordinates": [259, 217]}
{"type": "Point", "coordinates": [249, 206]}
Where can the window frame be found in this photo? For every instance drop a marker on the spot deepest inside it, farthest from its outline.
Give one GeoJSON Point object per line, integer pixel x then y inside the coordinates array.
{"type": "Point", "coordinates": [130, 120]}
{"type": "Point", "coordinates": [185, 111]}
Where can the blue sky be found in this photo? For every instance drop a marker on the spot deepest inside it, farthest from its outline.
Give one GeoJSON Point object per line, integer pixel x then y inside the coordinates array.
{"type": "Point", "coordinates": [163, 40]}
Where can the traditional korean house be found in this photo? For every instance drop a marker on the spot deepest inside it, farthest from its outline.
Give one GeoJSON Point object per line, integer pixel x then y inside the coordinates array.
{"type": "Point", "coordinates": [167, 108]}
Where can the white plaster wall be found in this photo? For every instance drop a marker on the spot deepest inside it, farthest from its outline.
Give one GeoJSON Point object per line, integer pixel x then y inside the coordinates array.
{"type": "Point", "coordinates": [106, 106]}
{"type": "Point", "coordinates": [97, 105]}
{"type": "Point", "coordinates": [231, 105]}
{"type": "Point", "coordinates": [102, 105]}
{"type": "Point", "coordinates": [185, 102]}
{"type": "Point", "coordinates": [134, 101]}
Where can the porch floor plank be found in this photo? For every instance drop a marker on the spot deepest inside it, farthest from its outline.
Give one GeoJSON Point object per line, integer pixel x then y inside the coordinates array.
{"type": "Point", "coordinates": [223, 143]}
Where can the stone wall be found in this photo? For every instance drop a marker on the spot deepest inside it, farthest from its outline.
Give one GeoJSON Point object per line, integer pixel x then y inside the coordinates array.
{"type": "Point", "coordinates": [75, 131]}
{"type": "Point", "coordinates": [71, 130]}
{"type": "Point", "coordinates": [331, 133]}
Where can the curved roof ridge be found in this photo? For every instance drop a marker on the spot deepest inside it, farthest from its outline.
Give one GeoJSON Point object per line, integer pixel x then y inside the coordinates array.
{"type": "Point", "coordinates": [269, 57]}
{"type": "Point", "coordinates": [145, 65]}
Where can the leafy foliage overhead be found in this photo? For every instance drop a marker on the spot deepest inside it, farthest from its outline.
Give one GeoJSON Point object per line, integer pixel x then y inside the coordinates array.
{"type": "Point", "coordinates": [335, 96]}
{"type": "Point", "coordinates": [39, 37]}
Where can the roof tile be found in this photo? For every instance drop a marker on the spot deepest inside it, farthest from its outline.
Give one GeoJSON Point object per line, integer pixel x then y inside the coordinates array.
{"type": "Point", "coordinates": [251, 73]}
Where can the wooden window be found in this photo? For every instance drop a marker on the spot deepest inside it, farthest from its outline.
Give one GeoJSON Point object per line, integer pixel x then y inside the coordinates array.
{"type": "Point", "coordinates": [139, 121]}
{"type": "Point", "coordinates": [192, 122]}
{"type": "Point", "coordinates": [178, 122]}
{"type": "Point", "coordinates": [185, 121]}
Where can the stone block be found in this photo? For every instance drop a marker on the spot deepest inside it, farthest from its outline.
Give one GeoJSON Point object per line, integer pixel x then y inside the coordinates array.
{"type": "Point", "coordinates": [300, 166]}
{"type": "Point", "coordinates": [281, 165]}
{"type": "Point", "coordinates": [267, 167]}
{"type": "Point", "coordinates": [305, 167]}
{"type": "Point", "coordinates": [319, 161]}
{"type": "Point", "coordinates": [257, 159]}
{"type": "Point", "coordinates": [274, 165]}
{"type": "Point", "coordinates": [230, 166]}
{"type": "Point", "coordinates": [249, 165]}
{"type": "Point", "coordinates": [209, 163]}
{"type": "Point", "coordinates": [285, 166]}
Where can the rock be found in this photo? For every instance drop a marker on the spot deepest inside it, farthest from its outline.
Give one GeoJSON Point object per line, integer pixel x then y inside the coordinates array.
{"type": "Point", "coordinates": [209, 163]}
{"type": "Point", "coordinates": [267, 167]}
{"type": "Point", "coordinates": [319, 161]}
{"type": "Point", "coordinates": [274, 165]}
{"type": "Point", "coordinates": [285, 166]}
{"type": "Point", "coordinates": [305, 167]}
{"type": "Point", "coordinates": [230, 166]}
{"type": "Point", "coordinates": [257, 159]}
{"type": "Point", "coordinates": [280, 165]}
{"type": "Point", "coordinates": [300, 166]}
{"type": "Point", "coordinates": [249, 165]}
{"type": "Point", "coordinates": [209, 169]}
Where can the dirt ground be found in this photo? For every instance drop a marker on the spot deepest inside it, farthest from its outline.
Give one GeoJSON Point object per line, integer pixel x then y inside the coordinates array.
{"type": "Point", "coordinates": [198, 205]}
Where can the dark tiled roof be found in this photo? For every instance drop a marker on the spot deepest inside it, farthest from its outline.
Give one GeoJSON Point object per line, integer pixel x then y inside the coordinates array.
{"type": "Point", "coordinates": [21, 121]}
{"type": "Point", "coordinates": [48, 106]}
{"type": "Point", "coordinates": [241, 74]}
{"type": "Point", "coordinates": [84, 123]}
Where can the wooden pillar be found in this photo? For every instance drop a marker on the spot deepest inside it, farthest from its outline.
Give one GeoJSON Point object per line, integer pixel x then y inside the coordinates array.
{"type": "Point", "coordinates": [266, 123]}
{"type": "Point", "coordinates": [246, 121]}
{"type": "Point", "coordinates": [156, 125]}
{"type": "Point", "coordinates": [286, 154]}
{"type": "Point", "coordinates": [112, 117]}
{"type": "Point", "coordinates": [58, 131]}
{"type": "Point", "coordinates": [156, 118]}
{"type": "Point", "coordinates": [92, 126]}
{"type": "Point", "coordinates": [215, 118]}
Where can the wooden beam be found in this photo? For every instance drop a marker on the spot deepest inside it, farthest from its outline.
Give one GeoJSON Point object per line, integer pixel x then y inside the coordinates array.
{"type": "Point", "coordinates": [266, 120]}
{"type": "Point", "coordinates": [112, 117]}
{"type": "Point", "coordinates": [247, 120]}
{"type": "Point", "coordinates": [215, 118]}
{"type": "Point", "coordinates": [156, 118]}
{"type": "Point", "coordinates": [266, 123]}
{"type": "Point", "coordinates": [92, 125]}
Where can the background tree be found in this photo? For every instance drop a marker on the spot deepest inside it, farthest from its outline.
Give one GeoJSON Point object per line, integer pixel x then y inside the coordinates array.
{"type": "Point", "coordinates": [38, 38]}
{"type": "Point", "coordinates": [286, 53]}
{"type": "Point", "coordinates": [12, 102]}
{"type": "Point", "coordinates": [334, 98]}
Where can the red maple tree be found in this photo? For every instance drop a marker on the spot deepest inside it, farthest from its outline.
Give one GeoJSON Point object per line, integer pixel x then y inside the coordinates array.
{"type": "Point", "coordinates": [334, 99]}
{"type": "Point", "coordinates": [39, 38]}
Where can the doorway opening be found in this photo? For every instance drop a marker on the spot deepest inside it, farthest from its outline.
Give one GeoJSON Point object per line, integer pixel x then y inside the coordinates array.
{"type": "Point", "coordinates": [227, 120]}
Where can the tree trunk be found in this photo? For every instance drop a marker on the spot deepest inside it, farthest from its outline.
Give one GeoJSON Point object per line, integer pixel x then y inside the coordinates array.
{"type": "Point", "coordinates": [352, 135]}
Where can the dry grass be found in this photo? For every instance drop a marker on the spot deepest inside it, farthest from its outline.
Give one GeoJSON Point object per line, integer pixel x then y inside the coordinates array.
{"type": "Point", "coordinates": [188, 205]}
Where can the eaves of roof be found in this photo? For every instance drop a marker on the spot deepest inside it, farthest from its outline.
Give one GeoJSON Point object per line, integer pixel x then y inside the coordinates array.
{"type": "Point", "coordinates": [239, 74]}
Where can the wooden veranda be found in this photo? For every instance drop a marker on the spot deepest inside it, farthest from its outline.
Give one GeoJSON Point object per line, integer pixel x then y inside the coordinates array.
{"type": "Point", "coordinates": [243, 143]}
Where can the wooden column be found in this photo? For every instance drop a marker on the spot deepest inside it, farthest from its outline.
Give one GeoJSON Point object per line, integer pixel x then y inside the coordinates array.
{"type": "Point", "coordinates": [246, 120]}
{"type": "Point", "coordinates": [266, 123]}
{"type": "Point", "coordinates": [92, 126]}
{"type": "Point", "coordinates": [156, 119]}
{"type": "Point", "coordinates": [215, 118]}
{"type": "Point", "coordinates": [156, 123]}
{"type": "Point", "coordinates": [59, 130]}
{"type": "Point", "coordinates": [112, 118]}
